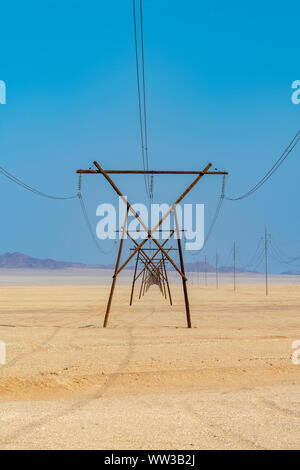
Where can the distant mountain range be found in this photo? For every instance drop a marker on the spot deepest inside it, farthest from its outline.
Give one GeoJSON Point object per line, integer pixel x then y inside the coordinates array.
{"type": "Point", "coordinates": [201, 267]}
{"type": "Point", "coordinates": [292, 272]}
{"type": "Point", "coordinates": [19, 260]}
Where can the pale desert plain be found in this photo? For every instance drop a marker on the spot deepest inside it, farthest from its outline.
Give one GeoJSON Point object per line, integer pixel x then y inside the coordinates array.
{"type": "Point", "coordinates": [146, 381]}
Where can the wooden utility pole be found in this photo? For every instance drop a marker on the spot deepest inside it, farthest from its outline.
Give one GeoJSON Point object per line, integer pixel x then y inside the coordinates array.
{"type": "Point", "coordinates": [142, 285]}
{"type": "Point", "coordinates": [266, 260]}
{"type": "Point", "coordinates": [234, 266]}
{"type": "Point", "coordinates": [134, 278]}
{"type": "Point", "coordinates": [217, 273]}
{"type": "Point", "coordinates": [113, 285]}
{"type": "Point", "coordinates": [168, 286]}
{"type": "Point", "coordinates": [205, 271]}
{"type": "Point", "coordinates": [186, 299]}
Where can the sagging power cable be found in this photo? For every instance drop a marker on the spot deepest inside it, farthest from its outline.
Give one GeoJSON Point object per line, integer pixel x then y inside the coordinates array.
{"type": "Point", "coordinates": [142, 99]}
{"type": "Point", "coordinates": [78, 195]}
{"type": "Point", "coordinates": [283, 259]}
{"type": "Point", "coordinates": [215, 217]}
{"type": "Point", "coordinates": [87, 220]}
{"type": "Point", "coordinates": [272, 170]}
{"type": "Point", "coordinates": [255, 257]}
{"type": "Point", "coordinates": [21, 183]}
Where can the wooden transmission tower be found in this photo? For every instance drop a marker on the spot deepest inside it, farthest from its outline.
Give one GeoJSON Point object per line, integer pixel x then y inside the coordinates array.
{"type": "Point", "coordinates": [154, 265]}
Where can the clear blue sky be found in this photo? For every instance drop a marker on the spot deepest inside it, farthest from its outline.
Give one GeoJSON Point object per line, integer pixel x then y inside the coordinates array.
{"type": "Point", "coordinates": [219, 80]}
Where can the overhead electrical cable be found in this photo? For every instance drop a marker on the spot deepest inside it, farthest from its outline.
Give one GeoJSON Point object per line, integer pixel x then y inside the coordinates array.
{"type": "Point", "coordinates": [87, 220]}
{"type": "Point", "coordinates": [260, 260]}
{"type": "Point", "coordinates": [280, 259]}
{"type": "Point", "coordinates": [89, 226]}
{"type": "Point", "coordinates": [272, 170]}
{"type": "Point", "coordinates": [144, 92]}
{"type": "Point", "coordinates": [255, 260]}
{"type": "Point", "coordinates": [141, 100]}
{"type": "Point", "coordinates": [214, 219]}
{"type": "Point", "coordinates": [289, 259]}
{"type": "Point", "coordinates": [78, 195]}
{"type": "Point", "coordinates": [21, 183]}
{"type": "Point", "coordinates": [254, 257]}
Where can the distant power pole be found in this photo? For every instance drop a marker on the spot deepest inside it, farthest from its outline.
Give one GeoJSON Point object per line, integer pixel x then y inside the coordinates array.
{"type": "Point", "coordinates": [266, 260]}
{"type": "Point", "coordinates": [217, 273]}
{"type": "Point", "coordinates": [205, 272]}
{"type": "Point", "coordinates": [234, 266]}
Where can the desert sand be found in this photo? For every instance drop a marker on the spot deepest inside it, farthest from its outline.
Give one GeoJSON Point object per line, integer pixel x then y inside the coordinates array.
{"type": "Point", "coordinates": [148, 382]}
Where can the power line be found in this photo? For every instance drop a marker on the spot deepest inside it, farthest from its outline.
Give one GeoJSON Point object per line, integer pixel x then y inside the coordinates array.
{"type": "Point", "coordinates": [89, 226]}
{"type": "Point", "coordinates": [21, 183]}
{"type": "Point", "coordinates": [263, 180]}
{"type": "Point", "coordinates": [278, 257]}
{"type": "Point", "coordinates": [272, 170]}
{"type": "Point", "coordinates": [217, 270]}
{"type": "Point", "coordinates": [266, 240]}
{"type": "Point", "coordinates": [216, 215]}
{"type": "Point", "coordinates": [142, 102]}
{"type": "Point", "coordinates": [144, 90]}
{"type": "Point", "coordinates": [260, 259]}
{"type": "Point", "coordinates": [234, 266]}
{"type": "Point", "coordinates": [139, 93]}
{"type": "Point", "coordinates": [214, 219]}
{"type": "Point", "coordinates": [254, 258]}
{"type": "Point", "coordinates": [288, 259]}
{"type": "Point", "coordinates": [78, 195]}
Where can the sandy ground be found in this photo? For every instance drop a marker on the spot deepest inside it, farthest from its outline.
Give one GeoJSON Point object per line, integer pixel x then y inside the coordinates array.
{"type": "Point", "coordinates": [148, 382]}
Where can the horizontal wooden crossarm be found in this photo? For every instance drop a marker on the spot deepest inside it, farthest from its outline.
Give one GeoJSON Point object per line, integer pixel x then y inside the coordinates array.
{"type": "Point", "coordinates": [150, 172]}
{"type": "Point", "coordinates": [153, 249]}
{"type": "Point", "coordinates": [158, 230]}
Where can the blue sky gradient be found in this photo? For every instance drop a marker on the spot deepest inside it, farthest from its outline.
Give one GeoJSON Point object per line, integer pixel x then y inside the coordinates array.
{"type": "Point", "coordinates": [218, 78]}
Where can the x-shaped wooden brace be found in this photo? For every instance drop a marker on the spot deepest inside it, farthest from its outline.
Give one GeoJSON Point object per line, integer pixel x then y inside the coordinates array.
{"type": "Point", "coordinates": [142, 272]}
{"type": "Point", "coordinates": [160, 273]}
{"type": "Point", "coordinates": [149, 261]}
